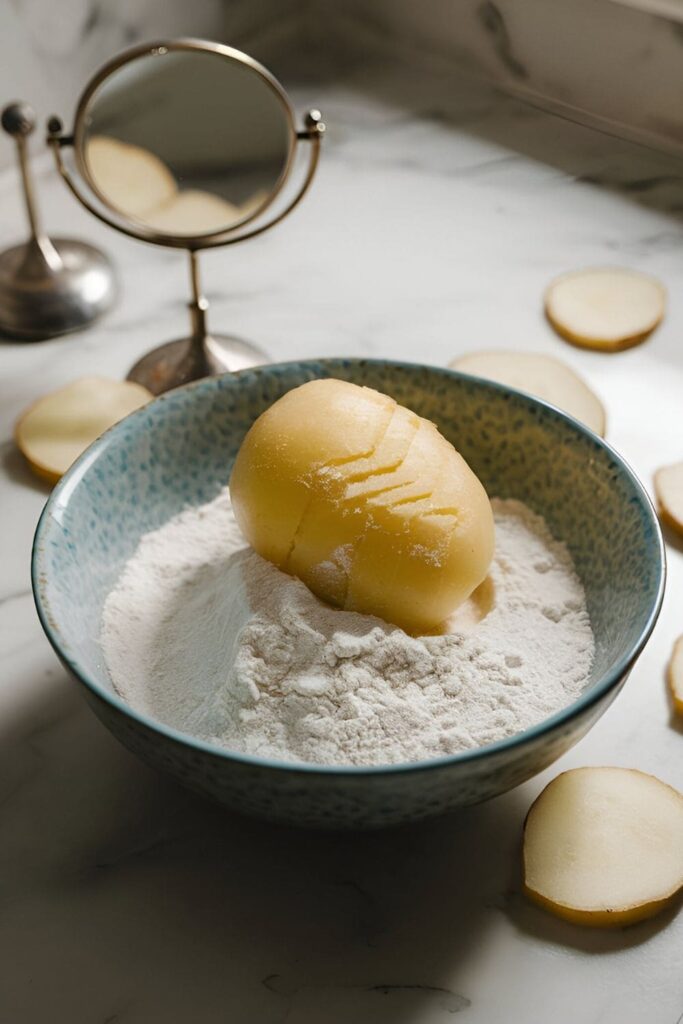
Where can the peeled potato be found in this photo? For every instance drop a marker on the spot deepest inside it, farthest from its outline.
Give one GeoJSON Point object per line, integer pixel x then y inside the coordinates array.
{"type": "Point", "coordinates": [543, 376]}
{"type": "Point", "coordinates": [669, 492]}
{"type": "Point", "coordinates": [365, 502]}
{"type": "Point", "coordinates": [56, 429]}
{"type": "Point", "coordinates": [604, 846]}
{"type": "Point", "coordinates": [132, 178]}
{"type": "Point", "coordinates": [676, 676]}
{"type": "Point", "coordinates": [608, 309]}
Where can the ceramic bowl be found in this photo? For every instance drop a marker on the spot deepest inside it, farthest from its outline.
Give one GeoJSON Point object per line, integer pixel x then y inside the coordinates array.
{"type": "Point", "coordinates": [178, 450]}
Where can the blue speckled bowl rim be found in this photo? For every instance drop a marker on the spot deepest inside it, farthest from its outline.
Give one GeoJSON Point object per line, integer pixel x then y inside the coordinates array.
{"type": "Point", "coordinates": [547, 725]}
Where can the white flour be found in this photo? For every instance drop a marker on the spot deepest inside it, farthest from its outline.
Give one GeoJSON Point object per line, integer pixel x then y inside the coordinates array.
{"type": "Point", "coordinates": [204, 635]}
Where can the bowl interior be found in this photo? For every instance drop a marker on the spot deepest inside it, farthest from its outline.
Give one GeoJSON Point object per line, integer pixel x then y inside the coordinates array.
{"type": "Point", "coordinates": [178, 451]}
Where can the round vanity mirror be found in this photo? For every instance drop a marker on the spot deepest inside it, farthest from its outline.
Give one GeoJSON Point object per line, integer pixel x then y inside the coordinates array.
{"type": "Point", "coordinates": [190, 144]}
{"type": "Point", "coordinates": [185, 142]}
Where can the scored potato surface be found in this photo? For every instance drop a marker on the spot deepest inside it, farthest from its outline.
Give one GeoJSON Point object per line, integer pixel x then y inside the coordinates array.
{"type": "Point", "coordinates": [675, 675]}
{"type": "Point", "coordinates": [364, 501]}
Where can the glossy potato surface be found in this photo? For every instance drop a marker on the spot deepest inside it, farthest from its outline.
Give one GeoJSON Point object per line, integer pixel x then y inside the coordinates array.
{"type": "Point", "coordinates": [365, 502]}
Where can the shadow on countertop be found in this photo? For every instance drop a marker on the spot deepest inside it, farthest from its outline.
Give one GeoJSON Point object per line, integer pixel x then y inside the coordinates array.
{"type": "Point", "coordinates": [14, 465]}
{"type": "Point", "coordinates": [132, 900]}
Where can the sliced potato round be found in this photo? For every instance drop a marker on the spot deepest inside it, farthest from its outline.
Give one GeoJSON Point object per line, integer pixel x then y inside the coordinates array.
{"type": "Point", "coordinates": [669, 493]}
{"type": "Point", "coordinates": [604, 846]}
{"type": "Point", "coordinates": [56, 429]}
{"type": "Point", "coordinates": [605, 308]}
{"type": "Point", "coordinates": [676, 676]}
{"type": "Point", "coordinates": [543, 376]}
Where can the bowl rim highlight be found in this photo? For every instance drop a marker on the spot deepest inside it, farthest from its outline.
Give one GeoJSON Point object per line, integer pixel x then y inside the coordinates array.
{"type": "Point", "coordinates": [60, 495]}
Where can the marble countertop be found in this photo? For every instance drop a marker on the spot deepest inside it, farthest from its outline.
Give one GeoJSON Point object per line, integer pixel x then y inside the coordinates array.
{"type": "Point", "coordinates": [440, 212]}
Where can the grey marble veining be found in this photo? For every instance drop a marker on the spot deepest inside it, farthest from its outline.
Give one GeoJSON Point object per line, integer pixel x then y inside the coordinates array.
{"type": "Point", "coordinates": [438, 217]}
{"type": "Point", "coordinates": [613, 64]}
{"type": "Point", "coordinates": [50, 48]}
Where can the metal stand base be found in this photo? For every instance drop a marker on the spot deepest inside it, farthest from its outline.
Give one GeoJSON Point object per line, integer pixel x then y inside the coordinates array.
{"type": "Point", "coordinates": [179, 362]}
{"type": "Point", "coordinates": [47, 287]}
{"type": "Point", "coordinates": [51, 287]}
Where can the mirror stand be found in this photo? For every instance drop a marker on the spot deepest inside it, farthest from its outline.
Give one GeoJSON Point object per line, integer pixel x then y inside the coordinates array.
{"type": "Point", "coordinates": [188, 144]}
{"type": "Point", "coordinates": [200, 355]}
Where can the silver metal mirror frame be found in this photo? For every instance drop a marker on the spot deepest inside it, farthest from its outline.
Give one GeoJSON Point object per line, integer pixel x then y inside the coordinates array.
{"type": "Point", "coordinates": [161, 50]}
{"type": "Point", "coordinates": [312, 131]}
{"type": "Point", "coordinates": [202, 352]}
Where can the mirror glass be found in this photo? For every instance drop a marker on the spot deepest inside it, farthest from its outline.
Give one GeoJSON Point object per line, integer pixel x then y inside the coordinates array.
{"type": "Point", "coordinates": [186, 142]}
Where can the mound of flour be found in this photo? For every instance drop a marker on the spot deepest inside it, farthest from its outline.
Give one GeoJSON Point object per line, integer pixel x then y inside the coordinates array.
{"type": "Point", "coordinates": [204, 635]}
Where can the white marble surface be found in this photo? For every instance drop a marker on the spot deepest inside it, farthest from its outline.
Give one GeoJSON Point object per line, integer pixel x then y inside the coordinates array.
{"type": "Point", "coordinates": [432, 229]}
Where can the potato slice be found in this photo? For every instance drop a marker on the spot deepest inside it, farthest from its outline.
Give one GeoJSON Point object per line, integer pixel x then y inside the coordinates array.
{"type": "Point", "coordinates": [669, 493]}
{"type": "Point", "coordinates": [324, 538]}
{"type": "Point", "coordinates": [605, 308]}
{"type": "Point", "coordinates": [543, 376]}
{"type": "Point", "coordinates": [133, 179]}
{"type": "Point", "coordinates": [56, 429]}
{"type": "Point", "coordinates": [675, 675]}
{"type": "Point", "coordinates": [604, 846]}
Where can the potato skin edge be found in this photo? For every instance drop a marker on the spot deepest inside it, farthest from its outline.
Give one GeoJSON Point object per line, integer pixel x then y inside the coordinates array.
{"type": "Point", "coordinates": [51, 476]}
{"type": "Point", "coordinates": [675, 699]}
{"type": "Point", "coordinates": [609, 347]}
{"type": "Point", "coordinates": [603, 918]}
{"type": "Point", "coordinates": [662, 511]}
{"type": "Point", "coordinates": [668, 519]}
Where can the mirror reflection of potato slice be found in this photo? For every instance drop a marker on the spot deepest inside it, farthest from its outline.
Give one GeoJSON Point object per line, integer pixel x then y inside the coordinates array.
{"type": "Point", "coordinates": [132, 179]}
{"type": "Point", "coordinates": [543, 376]}
{"type": "Point", "coordinates": [607, 309]}
{"type": "Point", "coordinates": [604, 846]}
{"type": "Point", "coordinates": [675, 676]}
{"type": "Point", "coordinates": [56, 429]}
{"type": "Point", "coordinates": [669, 493]}
{"type": "Point", "coordinates": [253, 202]}
{"type": "Point", "coordinates": [194, 212]}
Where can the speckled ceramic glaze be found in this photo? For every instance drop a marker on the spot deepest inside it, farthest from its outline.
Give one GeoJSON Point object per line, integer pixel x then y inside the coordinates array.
{"type": "Point", "coordinates": [178, 451]}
